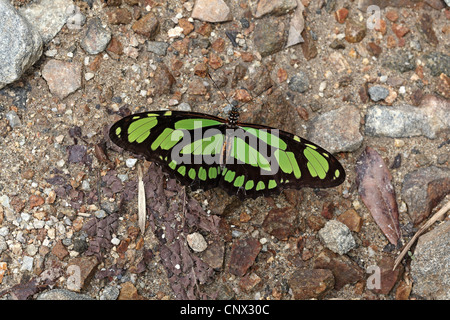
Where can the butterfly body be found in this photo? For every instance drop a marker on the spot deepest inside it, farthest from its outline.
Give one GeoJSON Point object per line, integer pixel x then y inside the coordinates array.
{"type": "Point", "coordinates": [205, 152]}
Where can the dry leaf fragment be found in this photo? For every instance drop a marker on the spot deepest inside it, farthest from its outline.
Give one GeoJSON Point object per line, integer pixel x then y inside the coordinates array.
{"type": "Point", "coordinates": [377, 193]}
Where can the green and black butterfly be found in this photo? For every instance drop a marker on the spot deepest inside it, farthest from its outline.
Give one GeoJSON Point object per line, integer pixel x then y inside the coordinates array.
{"type": "Point", "coordinates": [247, 160]}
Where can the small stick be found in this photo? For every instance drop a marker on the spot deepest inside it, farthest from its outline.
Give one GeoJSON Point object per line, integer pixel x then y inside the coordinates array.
{"type": "Point", "coordinates": [432, 220]}
{"type": "Point", "coordinates": [141, 201]}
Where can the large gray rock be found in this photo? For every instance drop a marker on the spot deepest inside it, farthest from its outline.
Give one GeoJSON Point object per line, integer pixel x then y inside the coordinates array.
{"type": "Point", "coordinates": [429, 268]}
{"type": "Point", "coordinates": [48, 16]}
{"type": "Point", "coordinates": [20, 44]}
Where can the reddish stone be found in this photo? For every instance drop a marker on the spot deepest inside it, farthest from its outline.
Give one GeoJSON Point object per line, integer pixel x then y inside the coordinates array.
{"type": "Point", "coordinates": [311, 284]}
{"type": "Point", "coordinates": [387, 276]}
{"type": "Point", "coordinates": [60, 250]}
{"type": "Point", "coordinates": [147, 26]}
{"type": "Point", "coordinates": [214, 61]}
{"type": "Point", "coordinates": [119, 16]}
{"type": "Point", "coordinates": [186, 25]}
{"type": "Point", "coordinates": [243, 255]}
{"type": "Point", "coordinates": [35, 201]}
{"type": "Point", "coordinates": [345, 271]}
{"type": "Point", "coordinates": [399, 30]}
{"type": "Point", "coordinates": [341, 15]}
{"type": "Point", "coordinates": [280, 223]}
{"type": "Point", "coordinates": [351, 219]}
{"type": "Point", "coordinates": [201, 70]}
{"type": "Point", "coordinates": [247, 56]}
{"type": "Point", "coordinates": [218, 45]}
{"type": "Point", "coordinates": [374, 49]}
{"type": "Point", "coordinates": [392, 15]}
{"type": "Point", "coordinates": [115, 47]}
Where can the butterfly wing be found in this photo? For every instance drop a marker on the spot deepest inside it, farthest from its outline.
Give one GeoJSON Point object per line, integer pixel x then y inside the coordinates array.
{"type": "Point", "coordinates": [263, 161]}
{"type": "Point", "coordinates": [186, 144]}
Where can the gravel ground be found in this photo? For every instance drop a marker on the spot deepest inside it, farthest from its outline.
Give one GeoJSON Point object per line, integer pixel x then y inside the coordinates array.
{"type": "Point", "coordinates": [68, 197]}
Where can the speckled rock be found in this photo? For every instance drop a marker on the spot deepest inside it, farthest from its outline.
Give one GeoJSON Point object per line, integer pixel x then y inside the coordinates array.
{"type": "Point", "coordinates": [63, 78]}
{"type": "Point", "coordinates": [429, 268]}
{"type": "Point", "coordinates": [20, 44]}
{"type": "Point", "coordinates": [97, 37]}
{"type": "Point", "coordinates": [337, 237]}
{"type": "Point", "coordinates": [337, 130]}
{"type": "Point", "coordinates": [62, 294]}
{"type": "Point", "coordinates": [47, 16]}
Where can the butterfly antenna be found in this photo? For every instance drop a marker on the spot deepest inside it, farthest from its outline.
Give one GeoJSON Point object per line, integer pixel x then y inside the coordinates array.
{"type": "Point", "coordinates": [217, 87]}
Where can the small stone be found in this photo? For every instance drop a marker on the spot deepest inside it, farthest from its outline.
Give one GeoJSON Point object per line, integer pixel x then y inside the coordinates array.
{"type": "Point", "coordinates": [311, 284]}
{"type": "Point", "coordinates": [243, 255]}
{"type": "Point", "coordinates": [401, 62]}
{"type": "Point", "coordinates": [351, 219]}
{"type": "Point", "coordinates": [337, 130]}
{"type": "Point", "coordinates": [115, 48]}
{"type": "Point", "coordinates": [63, 78]}
{"type": "Point", "coordinates": [341, 15]}
{"type": "Point", "coordinates": [426, 27]}
{"type": "Point", "coordinates": [60, 250]}
{"type": "Point", "coordinates": [35, 201]}
{"type": "Point", "coordinates": [399, 30]}
{"type": "Point", "coordinates": [81, 269]}
{"type": "Point", "coordinates": [392, 15]}
{"type": "Point", "coordinates": [215, 61]}
{"type": "Point", "coordinates": [280, 223]}
{"type": "Point", "coordinates": [299, 82]}
{"type": "Point", "coordinates": [378, 93]}
{"type": "Point", "coordinates": [438, 63]}
{"type": "Point", "coordinates": [129, 292]}
{"type": "Point", "coordinates": [443, 86]}
{"type": "Point", "coordinates": [119, 16]}
{"type": "Point", "coordinates": [423, 189]}
{"type": "Point", "coordinates": [211, 11]}
{"type": "Point", "coordinates": [13, 119]}
{"type": "Point", "coordinates": [96, 38]}
{"type": "Point", "coordinates": [201, 70]}
{"type": "Point", "coordinates": [147, 26]}
{"type": "Point", "coordinates": [388, 277]}
{"type": "Point", "coordinates": [62, 294]}
{"type": "Point", "coordinates": [157, 47]}
{"type": "Point", "coordinates": [175, 32]}
{"type": "Point", "coordinates": [27, 263]}
{"type": "Point", "coordinates": [374, 49]}
{"type": "Point", "coordinates": [354, 31]}
{"type": "Point", "coordinates": [186, 26]}
{"type": "Point", "coordinates": [214, 255]}
{"type": "Point", "coordinates": [163, 81]}
{"type": "Point", "coordinates": [196, 242]}
{"type": "Point", "coordinates": [248, 282]}
{"type": "Point", "coordinates": [274, 7]}
{"type": "Point", "coordinates": [337, 237]}
{"type": "Point", "coordinates": [269, 37]}
{"type": "Point", "coordinates": [345, 271]}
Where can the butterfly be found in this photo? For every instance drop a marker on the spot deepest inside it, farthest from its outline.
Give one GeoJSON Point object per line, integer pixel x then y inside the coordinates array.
{"type": "Point", "coordinates": [247, 160]}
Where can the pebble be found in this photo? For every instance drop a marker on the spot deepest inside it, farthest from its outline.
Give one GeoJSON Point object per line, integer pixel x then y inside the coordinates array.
{"type": "Point", "coordinates": [27, 263]}
{"type": "Point", "coordinates": [274, 7]}
{"type": "Point", "coordinates": [243, 255]}
{"type": "Point", "coordinates": [47, 16]}
{"type": "Point", "coordinates": [62, 294]}
{"type": "Point", "coordinates": [147, 26]}
{"type": "Point", "coordinates": [299, 82]}
{"type": "Point", "coordinates": [429, 268]}
{"type": "Point", "coordinates": [337, 130]}
{"type": "Point", "coordinates": [110, 292]}
{"type": "Point", "coordinates": [269, 37]}
{"type": "Point", "coordinates": [311, 283]}
{"type": "Point", "coordinates": [157, 47]}
{"type": "Point", "coordinates": [378, 93]}
{"type": "Point", "coordinates": [196, 242]}
{"type": "Point", "coordinates": [96, 38]}
{"type": "Point", "coordinates": [63, 78]}
{"type": "Point", "coordinates": [13, 119]}
{"type": "Point", "coordinates": [402, 62]}
{"type": "Point", "coordinates": [130, 162]}
{"type": "Point", "coordinates": [438, 63]}
{"type": "Point", "coordinates": [20, 44]}
{"type": "Point", "coordinates": [345, 270]}
{"type": "Point", "coordinates": [337, 237]}
{"type": "Point", "coordinates": [423, 188]}
{"type": "Point", "coordinates": [211, 11]}
{"type": "Point", "coordinates": [355, 31]}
